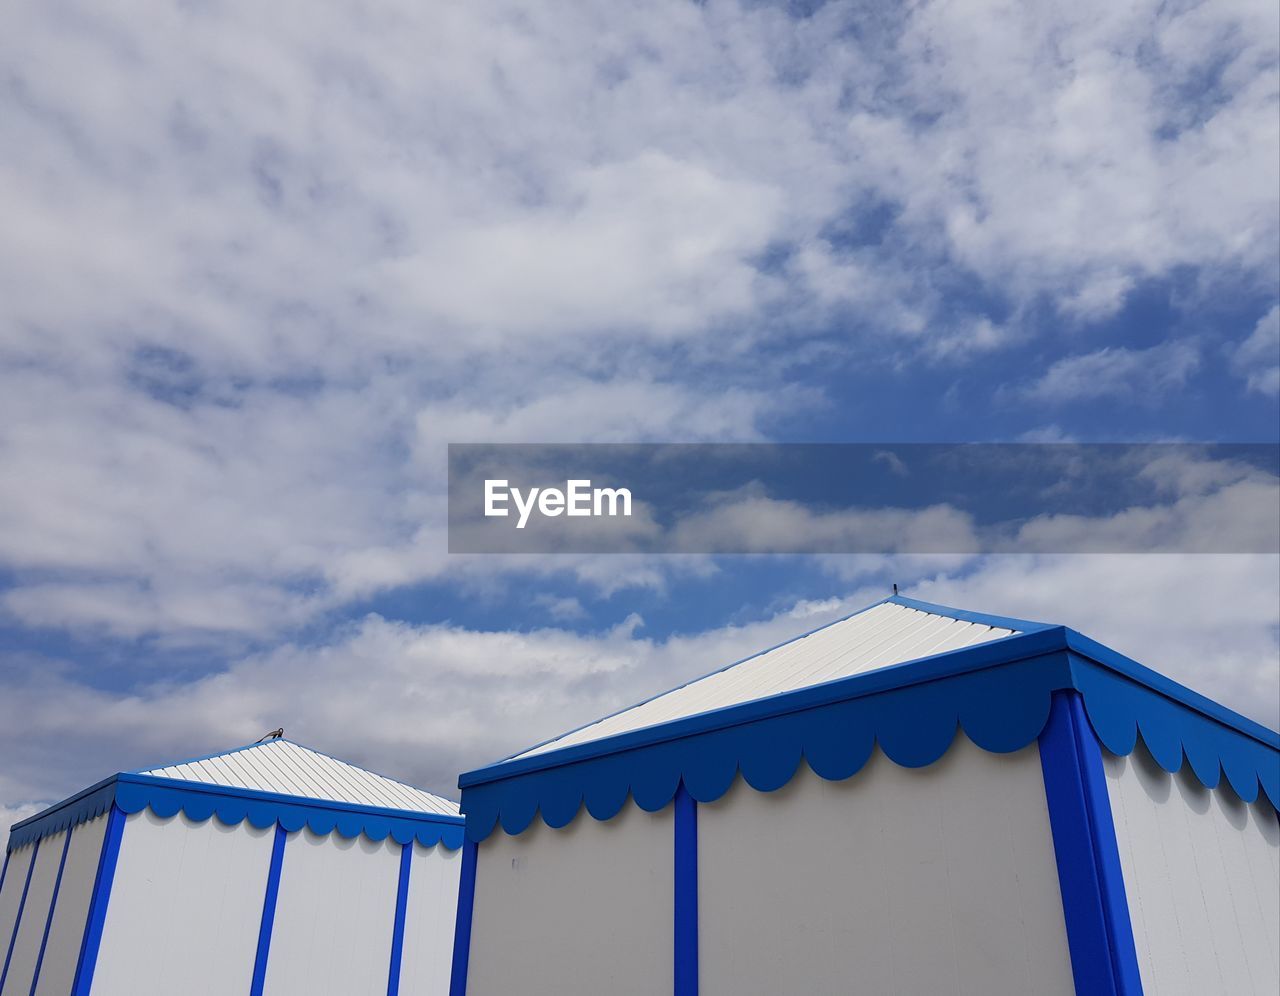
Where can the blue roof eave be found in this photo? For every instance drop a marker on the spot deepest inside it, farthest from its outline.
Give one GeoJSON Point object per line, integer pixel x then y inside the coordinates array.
{"type": "Point", "coordinates": [199, 801]}
{"type": "Point", "coordinates": [997, 692]}
{"type": "Point", "coordinates": [1008, 649]}
{"type": "Point", "coordinates": [983, 618]}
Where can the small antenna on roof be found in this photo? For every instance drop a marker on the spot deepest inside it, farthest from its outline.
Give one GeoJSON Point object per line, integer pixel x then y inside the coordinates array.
{"type": "Point", "coordinates": [273, 735]}
{"type": "Point", "coordinates": [895, 588]}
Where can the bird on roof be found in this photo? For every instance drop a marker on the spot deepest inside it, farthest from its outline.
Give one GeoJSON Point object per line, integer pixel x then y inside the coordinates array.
{"type": "Point", "coordinates": [273, 735]}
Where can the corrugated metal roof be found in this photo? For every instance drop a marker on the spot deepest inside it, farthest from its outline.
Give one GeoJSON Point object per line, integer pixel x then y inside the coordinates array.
{"type": "Point", "coordinates": [286, 768]}
{"type": "Point", "coordinates": [883, 635]}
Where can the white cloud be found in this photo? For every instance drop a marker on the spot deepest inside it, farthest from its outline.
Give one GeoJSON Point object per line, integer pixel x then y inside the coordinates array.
{"type": "Point", "coordinates": [560, 608]}
{"type": "Point", "coordinates": [749, 521]}
{"type": "Point", "coordinates": [1257, 359]}
{"type": "Point", "coordinates": [971, 340]}
{"type": "Point", "coordinates": [260, 263]}
{"type": "Point", "coordinates": [1116, 373]}
{"type": "Point", "coordinates": [1068, 152]}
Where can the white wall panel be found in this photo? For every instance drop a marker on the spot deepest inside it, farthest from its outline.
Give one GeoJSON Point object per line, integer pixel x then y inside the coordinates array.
{"type": "Point", "coordinates": [26, 948]}
{"type": "Point", "coordinates": [910, 881]}
{"type": "Point", "coordinates": [1202, 877]}
{"type": "Point", "coordinates": [584, 909]}
{"type": "Point", "coordinates": [334, 916]}
{"type": "Point", "coordinates": [10, 899]}
{"type": "Point", "coordinates": [429, 919]}
{"type": "Point", "coordinates": [72, 910]}
{"type": "Point", "coordinates": [186, 904]}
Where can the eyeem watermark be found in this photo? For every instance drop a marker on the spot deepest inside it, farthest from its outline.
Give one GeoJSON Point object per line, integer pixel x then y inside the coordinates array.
{"type": "Point", "coordinates": [879, 498]}
{"type": "Point", "coordinates": [578, 498]}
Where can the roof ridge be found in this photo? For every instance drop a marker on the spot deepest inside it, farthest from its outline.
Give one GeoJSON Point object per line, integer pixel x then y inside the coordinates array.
{"type": "Point", "coordinates": [966, 615]}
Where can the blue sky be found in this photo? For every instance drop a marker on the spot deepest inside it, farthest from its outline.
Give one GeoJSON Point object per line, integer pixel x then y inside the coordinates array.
{"type": "Point", "coordinates": [260, 263]}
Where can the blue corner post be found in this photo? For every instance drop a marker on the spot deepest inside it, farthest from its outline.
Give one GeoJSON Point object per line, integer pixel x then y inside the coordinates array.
{"type": "Point", "coordinates": [686, 893]}
{"type": "Point", "coordinates": [97, 919]}
{"type": "Point", "coordinates": [270, 894]}
{"type": "Point", "coordinates": [1104, 960]}
{"type": "Point", "coordinates": [397, 929]}
{"type": "Point", "coordinates": [462, 931]}
{"type": "Point", "coordinates": [17, 920]}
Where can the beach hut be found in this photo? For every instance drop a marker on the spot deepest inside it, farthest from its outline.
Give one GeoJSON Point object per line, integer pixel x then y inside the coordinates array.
{"type": "Point", "coordinates": [268, 869]}
{"type": "Point", "coordinates": [913, 800]}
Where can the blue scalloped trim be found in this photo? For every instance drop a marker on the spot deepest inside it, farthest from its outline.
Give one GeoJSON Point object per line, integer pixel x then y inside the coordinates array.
{"type": "Point", "coordinates": [1120, 711]}
{"type": "Point", "coordinates": [166, 797]}
{"type": "Point", "coordinates": [998, 694]}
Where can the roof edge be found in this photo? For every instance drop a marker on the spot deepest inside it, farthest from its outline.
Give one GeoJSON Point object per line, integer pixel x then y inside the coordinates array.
{"type": "Point", "coordinates": [71, 800]}
{"type": "Point", "coordinates": [998, 694]}
{"type": "Point", "coordinates": [1020, 646]}
{"type": "Point", "coordinates": [964, 615]}
{"type": "Point", "coordinates": [132, 792]}
{"type": "Point", "coordinates": [236, 792]}
{"type": "Point", "coordinates": [1005, 650]}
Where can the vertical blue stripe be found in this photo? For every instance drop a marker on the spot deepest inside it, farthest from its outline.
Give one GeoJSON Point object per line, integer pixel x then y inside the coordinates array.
{"type": "Point", "coordinates": [268, 911]}
{"type": "Point", "coordinates": [1115, 903]}
{"type": "Point", "coordinates": [17, 922]}
{"type": "Point", "coordinates": [686, 893]}
{"type": "Point", "coordinates": [397, 931]}
{"type": "Point", "coordinates": [1099, 932]}
{"type": "Point", "coordinates": [462, 929]}
{"type": "Point", "coordinates": [97, 917]}
{"type": "Point", "coordinates": [53, 904]}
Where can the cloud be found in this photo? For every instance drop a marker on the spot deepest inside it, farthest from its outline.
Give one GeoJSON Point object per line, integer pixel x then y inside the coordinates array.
{"type": "Point", "coordinates": [1080, 148]}
{"type": "Point", "coordinates": [1257, 359]}
{"type": "Point", "coordinates": [1115, 373]}
{"type": "Point", "coordinates": [561, 609]}
{"type": "Point", "coordinates": [267, 262]}
{"type": "Point", "coordinates": [749, 521]}
{"type": "Point", "coordinates": [653, 245]}
{"type": "Point", "coordinates": [973, 339]}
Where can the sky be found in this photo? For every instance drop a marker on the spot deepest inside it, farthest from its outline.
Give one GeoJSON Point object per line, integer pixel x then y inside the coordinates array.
{"type": "Point", "coordinates": [261, 263]}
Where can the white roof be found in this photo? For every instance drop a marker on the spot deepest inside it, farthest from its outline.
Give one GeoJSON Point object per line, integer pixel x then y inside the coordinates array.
{"type": "Point", "coordinates": [880, 636]}
{"type": "Point", "coordinates": [285, 768]}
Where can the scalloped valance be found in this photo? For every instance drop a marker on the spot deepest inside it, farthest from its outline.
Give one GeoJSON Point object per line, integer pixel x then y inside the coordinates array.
{"type": "Point", "coordinates": [199, 802]}
{"type": "Point", "coordinates": [999, 694]}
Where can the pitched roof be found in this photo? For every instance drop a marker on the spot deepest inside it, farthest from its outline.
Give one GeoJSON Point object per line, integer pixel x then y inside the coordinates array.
{"type": "Point", "coordinates": [286, 768]}
{"type": "Point", "coordinates": [894, 631]}
{"type": "Point", "coordinates": [902, 677]}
